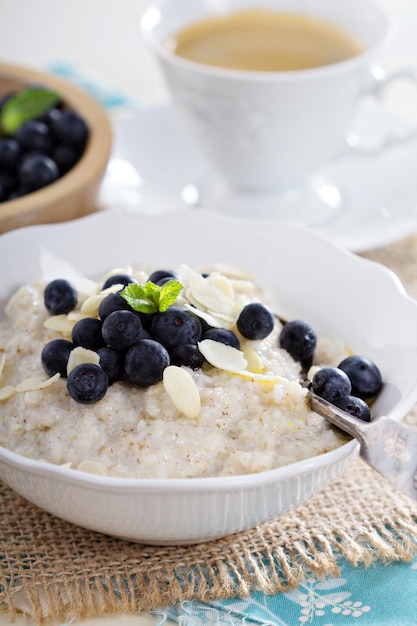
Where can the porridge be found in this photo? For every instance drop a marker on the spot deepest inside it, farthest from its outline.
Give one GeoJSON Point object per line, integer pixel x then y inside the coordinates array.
{"type": "Point", "coordinates": [225, 399]}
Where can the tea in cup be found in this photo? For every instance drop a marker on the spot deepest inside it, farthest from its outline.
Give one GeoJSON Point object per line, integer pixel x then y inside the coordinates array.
{"type": "Point", "coordinates": [267, 91]}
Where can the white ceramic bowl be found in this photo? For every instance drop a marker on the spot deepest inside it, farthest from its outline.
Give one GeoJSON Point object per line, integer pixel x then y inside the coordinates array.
{"type": "Point", "coordinates": [339, 293]}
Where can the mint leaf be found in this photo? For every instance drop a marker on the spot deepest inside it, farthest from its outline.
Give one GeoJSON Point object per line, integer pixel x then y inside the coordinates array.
{"type": "Point", "coordinates": [26, 105]}
{"type": "Point", "coordinates": [136, 296]}
{"type": "Point", "coordinates": [169, 293]}
{"type": "Point", "coordinates": [151, 298]}
{"type": "Point", "coordinates": [152, 292]}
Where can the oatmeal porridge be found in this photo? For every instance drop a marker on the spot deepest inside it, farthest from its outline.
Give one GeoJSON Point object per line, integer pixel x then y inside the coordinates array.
{"type": "Point", "coordinates": [224, 399]}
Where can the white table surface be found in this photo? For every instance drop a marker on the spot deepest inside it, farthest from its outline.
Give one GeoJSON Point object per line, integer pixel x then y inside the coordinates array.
{"type": "Point", "coordinates": [101, 38]}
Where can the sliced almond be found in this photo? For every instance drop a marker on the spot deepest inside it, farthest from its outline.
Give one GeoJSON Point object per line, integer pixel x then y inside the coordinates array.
{"type": "Point", "coordinates": [87, 287]}
{"type": "Point", "coordinates": [60, 323]}
{"type": "Point", "coordinates": [33, 383]}
{"type": "Point", "coordinates": [227, 320]}
{"type": "Point", "coordinates": [222, 283]}
{"type": "Point", "coordinates": [92, 467]}
{"type": "Point", "coordinates": [210, 296]}
{"type": "Point", "coordinates": [211, 320]}
{"type": "Point", "coordinates": [269, 378]}
{"type": "Point", "coordinates": [80, 355]}
{"type": "Point", "coordinates": [181, 388]}
{"type": "Point", "coordinates": [242, 286]}
{"type": "Point", "coordinates": [75, 316]}
{"type": "Point", "coordinates": [92, 304]}
{"type": "Point", "coordinates": [2, 363]}
{"type": "Point", "coordinates": [234, 271]}
{"type": "Point", "coordinates": [222, 356]}
{"type": "Point", "coordinates": [255, 363]}
{"type": "Point", "coordinates": [7, 392]}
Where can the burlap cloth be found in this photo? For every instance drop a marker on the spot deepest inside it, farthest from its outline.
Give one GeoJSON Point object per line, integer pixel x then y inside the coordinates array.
{"type": "Point", "coordinates": [61, 572]}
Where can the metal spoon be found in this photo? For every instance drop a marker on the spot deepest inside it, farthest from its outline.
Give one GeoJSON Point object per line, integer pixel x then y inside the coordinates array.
{"type": "Point", "coordinates": [388, 446]}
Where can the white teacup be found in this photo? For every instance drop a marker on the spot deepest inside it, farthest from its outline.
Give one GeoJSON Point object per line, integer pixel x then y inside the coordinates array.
{"type": "Point", "coordinates": [270, 130]}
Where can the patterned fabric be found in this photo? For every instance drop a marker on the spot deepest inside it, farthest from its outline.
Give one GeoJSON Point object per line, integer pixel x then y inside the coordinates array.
{"type": "Point", "coordinates": [108, 96]}
{"type": "Point", "coordinates": [382, 595]}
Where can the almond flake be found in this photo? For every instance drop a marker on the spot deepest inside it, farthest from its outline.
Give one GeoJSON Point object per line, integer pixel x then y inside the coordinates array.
{"type": "Point", "coordinates": [209, 295]}
{"type": "Point", "coordinates": [253, 359]}
{"type": "Point", "coordinates": [222, 356]}
{"type": "Point", "coordinates": [92, 467]}
{"type": "Point", "coordinates": [7, 392]}
{"type": "Point", "coordinates": [80, 355]}
{"type": "Point", "coordinates": [211, 319]}
{"type": "Point", "coordinates": [76, 316]}
{"type": "Point", "coordinates": [60, 324]}
{"type": "Point", "coordinates": [228, 320]}
{"type": "Point", "coordinates": [183, 391]}
{"type": "Point", "coordinates": [222, 283]}
{"type": "Point", "coordinates": [242, 286]}
{"type": "Point", "coordinates": [91, 306]}
{"type": "Point", "coordinates": [33, 383]}
{"type": "Point", "coordinates": [269, 378]}
{"type": "Point", "coordinates": [87, 287]}
{"type": "Point", "coordinates": [234, 271]}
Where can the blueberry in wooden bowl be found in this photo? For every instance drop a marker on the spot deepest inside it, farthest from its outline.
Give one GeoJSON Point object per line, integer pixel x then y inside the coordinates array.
{"type": "Point", "coordinates": [55, 143]}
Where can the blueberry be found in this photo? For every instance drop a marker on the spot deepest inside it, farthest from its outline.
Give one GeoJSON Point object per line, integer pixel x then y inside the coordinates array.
{"type": "Point", "coordinates": [19, 192]}
{"type": "Point", "coordinates": [112, 362]}
{"type": "Point", "coordinates": [60, 297]}
{"type": "Point", "coordinates": [65, 157]}
{"type": "Point", "coordinates": [8, 184]}
{"type": "Point", "coordinates": [145, 362]}
{"type": "Point", "coordinates": [187, 354]}
{"type": "Point", "coordinates": [87, 333]}
{"type": "Point", "coordinates": [255, 321]}
{"type": "Point", "coordinates": [331, 384]}
{"type": "Point", "coordinates": [364, 375]}
{"type": "Point", "coordinates": [50, 115]}
{"type": "Point", "coordinates": [299, 339]}
{"type": "Point", "coordinates": [35, 135]}
{"type": "Point", "coordinates": [355, 406]}
{"type": "Point", "coordinates": [87, 383]}
{"type": "Point", "coordinates": [112, 302]}
{"type": "Point", "coordinates": [146, 319]}
{"type": "Point", "coordinates": [222, 335]}
{"type": "Point", "coordinates": [121, 329]}
{"type": "Point", "coordinates": [37, 171]}
{"type": "Point", "coordinates": [174, 326]}
{"type": "Point", "coordinates": [10, 152]}
{"type": "Point", "coordinates": [162, 275]}
{"type": "Point", "coordinates": [55, 355]}
{"type": "Point", "coordinates": [70, 128]}
{"type": "Point", "coordinates": [118, 279]}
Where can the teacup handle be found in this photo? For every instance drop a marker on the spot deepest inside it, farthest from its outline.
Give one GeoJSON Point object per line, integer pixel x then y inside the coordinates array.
{"type": "Point", "coordinates": [380, 81]}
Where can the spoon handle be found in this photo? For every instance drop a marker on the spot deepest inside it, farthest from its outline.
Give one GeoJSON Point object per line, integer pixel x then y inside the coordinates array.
{"type": "Point", "coordinates": [388, 446]}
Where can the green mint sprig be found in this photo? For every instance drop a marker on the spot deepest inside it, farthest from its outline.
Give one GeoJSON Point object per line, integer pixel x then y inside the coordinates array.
{"type": "Point", "coordinates": [151, 298]}
{"type": "Point", "coordinates": [26, 105]}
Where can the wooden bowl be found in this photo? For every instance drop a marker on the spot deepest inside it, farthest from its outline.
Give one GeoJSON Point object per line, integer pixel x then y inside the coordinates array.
{"type": "Point", "coordinates": [75, 194]}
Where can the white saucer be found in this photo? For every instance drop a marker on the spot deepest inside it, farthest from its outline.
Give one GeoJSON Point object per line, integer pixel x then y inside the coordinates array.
{"type": "Point", "coordinates": [360, 203]}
